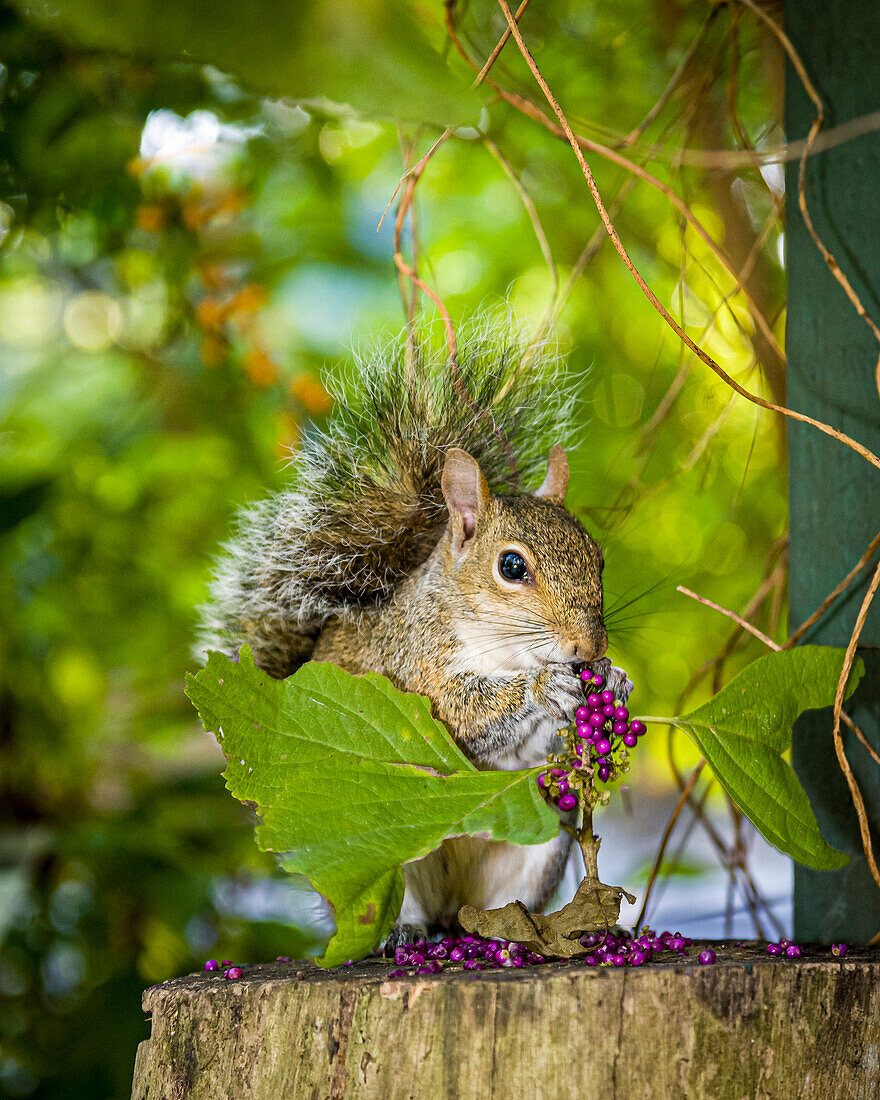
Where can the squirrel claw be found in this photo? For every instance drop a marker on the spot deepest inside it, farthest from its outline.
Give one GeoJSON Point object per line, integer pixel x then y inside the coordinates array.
{"type": "Point", "coordinates": [616, 679]}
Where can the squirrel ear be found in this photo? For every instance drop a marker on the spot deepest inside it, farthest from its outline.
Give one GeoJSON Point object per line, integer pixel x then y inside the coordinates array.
{"type": "Point", "coordinates": [556, 482]}
{"type": "Point", "coordinates": [466, 493]}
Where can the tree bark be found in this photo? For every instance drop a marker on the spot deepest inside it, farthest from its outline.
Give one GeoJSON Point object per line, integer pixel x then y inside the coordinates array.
{"type": "Point", "coordinates": [749, 1026]}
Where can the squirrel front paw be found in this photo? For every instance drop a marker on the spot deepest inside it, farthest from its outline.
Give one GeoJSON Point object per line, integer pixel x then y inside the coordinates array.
{"type": "Point", "coordinates": [558, 690]}
{"type": "Point", "coordinates": [616, 679]}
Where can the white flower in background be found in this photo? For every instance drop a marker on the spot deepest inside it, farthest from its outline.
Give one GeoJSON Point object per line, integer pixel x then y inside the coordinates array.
{"type": "Point", "coordinates": [199, 147]}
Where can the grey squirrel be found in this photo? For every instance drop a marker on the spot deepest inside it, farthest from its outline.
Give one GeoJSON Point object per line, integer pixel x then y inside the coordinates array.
{"type": "Point", "coordinates": [408, 545]}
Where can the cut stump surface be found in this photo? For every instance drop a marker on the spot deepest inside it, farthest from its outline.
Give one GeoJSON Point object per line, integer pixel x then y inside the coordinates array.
{"type": "Point", "coordinates": [747, 1027]}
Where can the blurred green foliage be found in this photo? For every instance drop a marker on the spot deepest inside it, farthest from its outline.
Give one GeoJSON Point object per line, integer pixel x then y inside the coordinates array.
{"type": "Point", "coordinates": [180, 258]}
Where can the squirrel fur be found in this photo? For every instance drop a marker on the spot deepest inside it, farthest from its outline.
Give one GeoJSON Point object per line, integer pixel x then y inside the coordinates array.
{"type": "Point", "coordinates": [386, 555]}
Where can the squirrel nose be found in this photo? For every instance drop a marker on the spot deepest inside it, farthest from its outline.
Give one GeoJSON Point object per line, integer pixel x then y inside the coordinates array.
{"type": "Point", "coordinates": [591, 646]}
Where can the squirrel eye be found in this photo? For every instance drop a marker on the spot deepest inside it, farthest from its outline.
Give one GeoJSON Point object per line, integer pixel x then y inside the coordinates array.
{"type": "Point", "coordinates": [512, 566]}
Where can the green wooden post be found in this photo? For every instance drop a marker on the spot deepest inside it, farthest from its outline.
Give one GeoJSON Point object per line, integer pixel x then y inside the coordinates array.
{"type": "Point", "coordinates": [835, 495]}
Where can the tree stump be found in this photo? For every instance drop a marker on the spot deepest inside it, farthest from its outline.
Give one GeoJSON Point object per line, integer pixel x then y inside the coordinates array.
{"type": "Point", "coordinates": [748, 1026]}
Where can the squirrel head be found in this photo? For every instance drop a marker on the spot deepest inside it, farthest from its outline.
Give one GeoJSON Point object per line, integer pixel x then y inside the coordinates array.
{"type": "Point", "coordinates": [528, 576]}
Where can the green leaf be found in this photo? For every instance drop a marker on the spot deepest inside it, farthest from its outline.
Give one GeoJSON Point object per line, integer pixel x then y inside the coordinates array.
{"type": "Point", "coordinates": [351, 779]}
{"type": "Point", "coordinates": [744, 730]}
{"type": "Point", "coordinates": [374, 55]}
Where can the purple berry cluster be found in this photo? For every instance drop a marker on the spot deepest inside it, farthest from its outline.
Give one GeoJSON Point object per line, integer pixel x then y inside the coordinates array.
{"type": "Point", "coordinates": [624, 949]}
{"type": "Point", "coordinates": [785, 947]}
{"type": "Point", "coordinates": [597, 745]}
{"type": "Point", "coordinates": [472, 952]}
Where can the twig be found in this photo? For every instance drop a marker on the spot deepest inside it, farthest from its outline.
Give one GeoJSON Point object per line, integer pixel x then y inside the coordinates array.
{"type": "Point", "coordinates": [646, 290]}
{"type": "Point", "coordinates": [875, 756]}
{"type": "Point", "coordinates": [667, 833]}
{"type": "Point", "coordinates": [855, 792]}
{"type": "Point", "coordinates": [530, 209]}
{"type": "Point", "coordinates": [731, 615]}
{"type": "Point", "coordinates": [837, 591]}
{"type": "Point", "coordinates": [674, 81]}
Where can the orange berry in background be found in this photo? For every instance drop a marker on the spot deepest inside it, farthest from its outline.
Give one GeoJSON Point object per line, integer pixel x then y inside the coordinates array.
{"type": "Point", "coordinates": [151, 219]}
{"type": "Point", "coordinates": [214, 276]}
{"type": "Point", "coordinates": [213, 350]}
{"type": "Point", "coordinates": [195, 214]}
{"type": "Point", "coordinates": [309, 391]}
{"type": "Point", "coordinates": [260, 368]}
{"type": "Point", "coordinates": [211, 314]}
{"type": "Point", "coordinates": [250, 298]}
{"type": "Point", "coordinates": [232, 201]}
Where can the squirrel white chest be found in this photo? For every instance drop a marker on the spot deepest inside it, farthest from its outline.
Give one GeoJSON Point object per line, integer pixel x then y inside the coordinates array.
{"type": "Point", "coordinates": [537, 736]}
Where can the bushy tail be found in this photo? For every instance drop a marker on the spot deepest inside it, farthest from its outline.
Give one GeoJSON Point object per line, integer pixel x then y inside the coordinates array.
{"type": "Point", "coordinates": [365, 507]}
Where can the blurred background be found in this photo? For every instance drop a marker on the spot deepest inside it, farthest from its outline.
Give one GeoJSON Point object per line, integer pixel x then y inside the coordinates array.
{"type": "Point", "coordinates": [189, 239]}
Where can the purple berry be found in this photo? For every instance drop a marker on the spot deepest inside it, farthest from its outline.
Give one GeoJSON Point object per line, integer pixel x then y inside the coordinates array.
{"type": "Point", "coordinates": [586, 675]}
{"type": "Point", "coordinates": [621, 714]}
{"type": "Point", "coordinates": [707, 957]}
{"type": "Point", "coordinates": [597, 719]}
{"type": "Point", "coordinates": [608, 710]}
{"type": "Point", "coordinates": [439, 952]}
{"type": "Point", "coordinates": [793, 951]}
{"type": "Point", "coordinates": [226, 962]}
{"type": "Point", "coordinates": [211, 964]}
{"type": "Point", "coordinates": [618, 960]}
{"type": "Point", "coordinates": [232, 973]}
{"type": "Point", "coordinates": [637, 727]}
{"type": "Point", "coordinates": [594, 701]}
{"type": "Point", "coordinates": [591, 960]}
{"type": "Point", "coordinates": [839, 949]}
{"type": "Point", "coordinates": [774, 949]}
{"type": "Point", "coordinates": [434, 966]}
{"type": "Point", "coordinates": [397, 974]}
{"type": "Point", "coordinates": [676, 943]}
{"type": "Point", "coordinates": [630, 739]}
{"type": "Point", "coordinates": [598, 680]}
{"type": "Point", "coordinates": [582, 714]}
{"type": "Point", "coordinates": [620, 728]}
{"type": "Point", "coordinates": [557, 773]}
{"type": "Point", "coordinates": [401, 956]}
{"type": "Point", "coordinates": [456, 954]}
{"type": "Point", "coordinates": [637, 957]}
{"type": "Point", "coordinates": [542, 781]}
{"type": "Point", "coordinates": [567, 802]}
{"type": "Point", "coordinates": [562, 786]}
{"type": "Point", "coordinates": [416, 958]}
{"type": "Point", "coordinates": [604, 772]}
{"type": "Point", "coordinates": [603, 747]}
{"type": "Point", "coordinates": [607, 696]}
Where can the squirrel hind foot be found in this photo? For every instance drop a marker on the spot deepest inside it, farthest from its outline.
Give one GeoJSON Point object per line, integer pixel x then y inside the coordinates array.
{"type": "Point", "coordinates": [402, 934]}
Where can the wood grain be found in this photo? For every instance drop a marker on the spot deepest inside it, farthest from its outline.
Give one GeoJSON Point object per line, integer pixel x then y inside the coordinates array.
{"type": "Point", "coordinates": [747, 1027]}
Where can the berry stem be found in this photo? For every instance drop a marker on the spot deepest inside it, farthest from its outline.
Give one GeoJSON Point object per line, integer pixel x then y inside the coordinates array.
{"type": "Point", "coordinates": [589, 844]}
